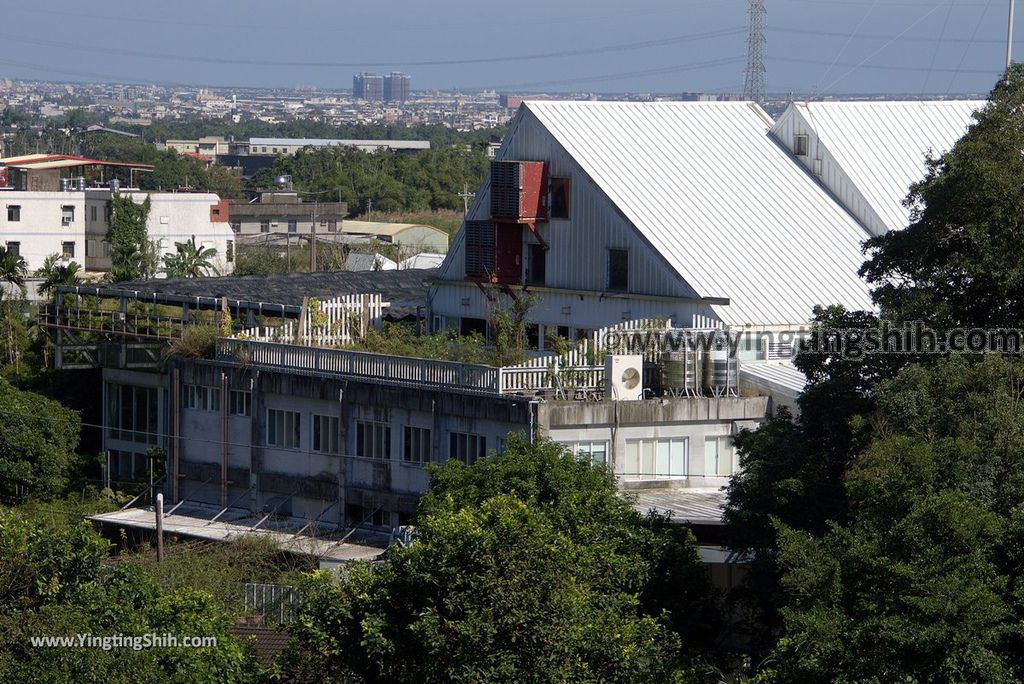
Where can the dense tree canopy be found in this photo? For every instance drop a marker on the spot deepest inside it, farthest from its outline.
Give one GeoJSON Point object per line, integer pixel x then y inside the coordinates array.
{"type": "Point", "coordinates": [885, 520]}
{"type": "Point", "coordinates": [527, 566]}
{"type": "Point", "coordinates": [37, 443]}
{"type": "Point", "coordinates": [958, 263]}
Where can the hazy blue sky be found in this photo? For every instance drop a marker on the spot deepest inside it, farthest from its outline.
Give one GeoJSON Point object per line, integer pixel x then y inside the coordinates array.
{"type": "Point", "coordinates": [71, 40]}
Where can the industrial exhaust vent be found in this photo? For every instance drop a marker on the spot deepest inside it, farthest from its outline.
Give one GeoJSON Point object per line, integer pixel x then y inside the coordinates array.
{"type": "Point", "coordinates": [519, 191]}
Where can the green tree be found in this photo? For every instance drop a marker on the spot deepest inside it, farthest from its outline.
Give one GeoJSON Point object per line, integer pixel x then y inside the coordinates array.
{"type": "Point", "coordinates": [13, 268]}
{"type": "Point", "coordinates": [56, 273]}
{"type": "Point", "coordinates": [957, 264]}
{"type": "Point", "coordinates": [131, 250]}
{"type": "Point", "coordinates": [923, 582]}
{"type": "Point", "coordinates": [190, 261]}
{"type": "Point", "coordinates": [527, 566]}
{"type": "Point", "coordinates": [37, 443]}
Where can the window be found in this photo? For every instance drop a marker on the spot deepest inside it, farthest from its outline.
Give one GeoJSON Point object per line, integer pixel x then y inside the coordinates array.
{"type": "Point", "coordinates": [719, 457]}
{"type": "Point", "coordinates": [106, 212]}
{"type": "Point", "coordinates": [532, 336]}
{"type": "Point", "coordinates": [466, 447]}
{"type": "Point", "coordinates": [67, 250]}
{"type": "Point", "coordinates": [92, 213]}
{"type": "Point", "coordinates": [264, 226]}
{"type": "Point", "coordinates": [13, 212]}
{"type": "Point", "coordinates": [201, 398]}
{"type": "Point", "coordinates": [14, 248]}
{"type": "Point", "coordinates": [560, 197]}
{"type": "Point", "coordinates": [229, 251]}
{"type": "Point", "coordinates": [801, 145]}
{"type": "Point", "coordinates": [325, 432]}
{"type": "Point", "coordinates": [536, 260]}
{"type": "Point", "coordinates": [293, 226]}
{"type": "Point", "coordinates": [264, 149]}
{"type": "Point", "coordinates": [283, 429]}
{"type": "Point", "coordinates": [649, 459]}
{"type": "Point", "coordinates": [594, 453]}
{"type": "Point", "coordinates": [373, 440]}
{"type": "Point", "coordinates": [416, 445]}
{"type": "Point", "coordinates": [469, 326]}
{"type": "Point", "coordinates": [132, 413]}
{"type": "Point", "coordinates": [332, 226]}
{"type": "Point", "coordinates": [240, 403]}
{"type": "Point", "coordinates": [618, 269]}
{"type": "Point", "coordinates": [67, 215]}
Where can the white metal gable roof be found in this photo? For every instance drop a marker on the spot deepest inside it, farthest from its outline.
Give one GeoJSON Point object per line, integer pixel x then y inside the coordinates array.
{"type": "Point", "coordinates": [882, 145]}
{"type": "Point", "coordinates": [724, 204]}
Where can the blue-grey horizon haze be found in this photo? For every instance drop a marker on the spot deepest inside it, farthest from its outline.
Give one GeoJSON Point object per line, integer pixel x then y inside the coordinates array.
{"type": "Point", "coordinates": [828, 47]}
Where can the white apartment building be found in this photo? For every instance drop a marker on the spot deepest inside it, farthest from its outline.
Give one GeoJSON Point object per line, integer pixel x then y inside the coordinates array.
{"type": "Point", "coordinates": [55, 204]}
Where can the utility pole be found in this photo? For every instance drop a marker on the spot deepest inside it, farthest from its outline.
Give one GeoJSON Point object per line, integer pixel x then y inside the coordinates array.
{"type": "Point", "coordinates": [159, 507]}
{"type": "Point", "coordinates": [1009, 38]}
{"type": "Point", "coordinates": [754, 87]}
{"type": "Point", "coordinates": [466, 195]}
{"type": "Point", "coordinates": [312, 243]}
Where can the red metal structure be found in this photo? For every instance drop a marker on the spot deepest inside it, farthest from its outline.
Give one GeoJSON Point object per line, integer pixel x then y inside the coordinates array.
{"type": "Point", "coordinates": [519, 191]}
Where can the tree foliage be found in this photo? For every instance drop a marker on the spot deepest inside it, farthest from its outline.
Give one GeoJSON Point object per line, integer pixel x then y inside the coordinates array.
{"type": "Point", "coordinates": [131, 251]}
{"type": "Point", "coordinates": [957, 264]}
{"type": "Point", "coordinates": [37, 443]}
{"type": "Point", "coordinates": [190, 260]}
{"type": "Point", "coordinates": [55, 273]}
{"type": "Point", "coordinates": [527, 566]}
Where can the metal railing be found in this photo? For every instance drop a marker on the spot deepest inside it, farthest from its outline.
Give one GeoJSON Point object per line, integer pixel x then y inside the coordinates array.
{"type": "Point", "coordinates": [400, 370]}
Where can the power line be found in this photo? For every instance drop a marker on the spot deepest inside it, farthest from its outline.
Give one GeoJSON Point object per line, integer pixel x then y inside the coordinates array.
{"type": "Point", "coordinates": [849, 40]}
{"type": "Point", "coordinates": [901, 38]}
{"type": "Point", "coordinates": [620, 47]}
{"type": "Point", "coordinates": [619, 76]}
{"type": "Point", "coordinates": [967, 47]}
{"type": "Point", "coordinates": [935, 52]}
{"type": "Point", "coordinates": [886, 67]}
{"type": "Point", "coordinates": [885, 45]}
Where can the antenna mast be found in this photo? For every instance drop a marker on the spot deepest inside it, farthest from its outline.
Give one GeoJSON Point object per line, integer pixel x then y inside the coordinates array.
{"type": "Point", "coordinates": [1009, 38]}
{"type": "Point", "coordinates": [754, 87]}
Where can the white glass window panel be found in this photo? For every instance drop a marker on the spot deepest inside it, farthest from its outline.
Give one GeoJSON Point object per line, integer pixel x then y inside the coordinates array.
{"type": "Point", "coordinates": [647, 465]}
{"type": "Point", "coordinates": [663, 467]}
{"type": "Point", "coordinates": [632, 465]}
{"type": "Point", "coordinates": [679, 457]}
{"type": "Point", "coordinates": [710, 456]}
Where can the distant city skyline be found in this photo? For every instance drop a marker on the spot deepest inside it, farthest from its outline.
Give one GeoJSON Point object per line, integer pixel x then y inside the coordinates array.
{"type": "Point", "coordinates": [814, 46]}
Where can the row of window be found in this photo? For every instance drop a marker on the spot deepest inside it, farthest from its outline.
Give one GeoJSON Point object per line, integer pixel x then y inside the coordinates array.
{"type": "Point", "coordinates": [663, 458]}
{"type": "Point", "coordinates": [293, 226]}
{"type": "Point", "coordinates": [67, 213]}
{"type": "Point", "coordinates": [373, 438]}
{"type": "Point", "coordinates": [536, 272]}
{"type": "Point", "coordinates": [67, 249]}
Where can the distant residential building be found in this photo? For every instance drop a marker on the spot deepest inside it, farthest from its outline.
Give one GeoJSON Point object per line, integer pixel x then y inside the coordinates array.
{"type": "Point", "coordinates": [284, 212]}
{"type": "Point", "coordinates": [275, 146]}
{"type": "Point", "coordinates": [59, 204]}
{"type": "Point", "coordinates": [368, 86]}
{"type": "Point", "coordinates": [396, 87]}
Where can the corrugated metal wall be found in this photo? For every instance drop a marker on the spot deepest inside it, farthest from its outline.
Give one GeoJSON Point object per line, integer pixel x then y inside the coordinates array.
{"type": "Point", "coordinates": [578, 254]}
{"type": "Point", "coordinates": [792, 123]}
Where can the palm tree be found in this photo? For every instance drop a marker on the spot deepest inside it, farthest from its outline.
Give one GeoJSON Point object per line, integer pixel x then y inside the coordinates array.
{"type": "Point", "coordinates": [190, 261]}
{"type": "Point", "coordinates": [13, 269]}
{"type": "Point", "coordinates": [55, 273]}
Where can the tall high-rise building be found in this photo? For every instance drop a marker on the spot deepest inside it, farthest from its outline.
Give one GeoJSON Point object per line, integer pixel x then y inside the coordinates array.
{"type": "Point", "coordinates": [396, 87]}
{"type": "Point", "coordinates": [368, 86]}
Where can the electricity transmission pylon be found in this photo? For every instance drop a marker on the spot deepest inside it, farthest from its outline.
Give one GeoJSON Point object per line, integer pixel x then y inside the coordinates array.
{"type": "Point", "coordinates": [754, 87]}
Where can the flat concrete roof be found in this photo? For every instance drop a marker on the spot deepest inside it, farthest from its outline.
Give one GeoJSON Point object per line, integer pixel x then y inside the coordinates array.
{"type": "Point", "coordinates": [193, 521]}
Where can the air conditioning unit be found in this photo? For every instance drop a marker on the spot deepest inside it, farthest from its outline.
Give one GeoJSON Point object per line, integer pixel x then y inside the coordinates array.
{"type": "Point", "coordinates": [624, 377]}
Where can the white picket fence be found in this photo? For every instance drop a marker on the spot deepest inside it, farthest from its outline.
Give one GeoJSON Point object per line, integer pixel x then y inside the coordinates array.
{"type": "Point", "coordinates": [344, 320]}
{"type": "Point", "coordinates": [582, 366]}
